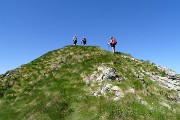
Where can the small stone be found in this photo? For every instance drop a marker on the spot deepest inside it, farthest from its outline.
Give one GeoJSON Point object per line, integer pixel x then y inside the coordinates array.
{"type": "Point", "coordinates": [119, 94]}
{"type": "Point", "coordinates": [131, 90]}
{"type": "Point", "coordinates": [108, 85]}
{"type": "Point", "coordinates": [115, 88]}
{"type": "Point", "coordinates": [166, 105]}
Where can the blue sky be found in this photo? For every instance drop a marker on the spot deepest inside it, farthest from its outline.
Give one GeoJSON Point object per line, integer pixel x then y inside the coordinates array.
{"type": "Point", "coordinates": [146, 29]}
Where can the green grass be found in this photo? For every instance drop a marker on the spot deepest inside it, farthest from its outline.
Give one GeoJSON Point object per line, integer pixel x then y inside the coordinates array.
{"type": "Point", "coordinates": [51, 88]}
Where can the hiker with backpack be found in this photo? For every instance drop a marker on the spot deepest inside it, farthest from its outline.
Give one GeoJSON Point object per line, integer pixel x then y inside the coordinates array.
{"type": "Point", "coordinates": [113, 43]}
{"type": "Point", "coordinates": [75, 40]}
{"type": "Point", "coordinates": [83, 41]}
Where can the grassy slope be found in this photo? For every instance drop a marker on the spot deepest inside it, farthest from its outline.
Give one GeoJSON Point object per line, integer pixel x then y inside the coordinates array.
{"type": "Point", "coordinates": [51, 87]}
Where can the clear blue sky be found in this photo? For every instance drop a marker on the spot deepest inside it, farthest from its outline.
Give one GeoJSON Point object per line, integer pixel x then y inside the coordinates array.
{"type": "Point", "coordinates": [146, 29]}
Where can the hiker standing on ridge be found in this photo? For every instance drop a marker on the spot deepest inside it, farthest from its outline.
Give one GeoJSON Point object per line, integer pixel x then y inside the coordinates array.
{"type": "Point", "coordinates": [83, 41]}
{"type": "Point", "coordinates": [75, 40]}
{"type": "Point", "coordinates": [113, 43]}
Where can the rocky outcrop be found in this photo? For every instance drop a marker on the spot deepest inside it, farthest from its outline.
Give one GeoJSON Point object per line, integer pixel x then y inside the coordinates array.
{"type": "Point", "coordinates": [115, 91]}
{"type": "Point", "coordinates": [167, 71]}
{"type": "Point", "coordinates": [167, 82]}
{"type": "Point", "coordinates": [171, 81]}
{"type": "Point", "coordinates": [100, 83]}
{"type": "Point", "coordinates": [107, 74]}
{"type": "Point", "coordinates": [103, 73]}
{"type": "Point", "coordinates": [112, 92]}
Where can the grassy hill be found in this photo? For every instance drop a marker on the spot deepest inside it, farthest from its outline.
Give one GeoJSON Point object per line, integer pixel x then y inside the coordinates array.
{"type": "Point", "coordinates": [54, 86]}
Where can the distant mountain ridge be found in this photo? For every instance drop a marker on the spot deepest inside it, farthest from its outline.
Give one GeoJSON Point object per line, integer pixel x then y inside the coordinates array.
{"type": "Point", "coordinates": [86, 82]}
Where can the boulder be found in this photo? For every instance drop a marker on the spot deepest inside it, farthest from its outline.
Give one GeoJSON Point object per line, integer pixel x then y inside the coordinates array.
{"type": "Point", "coordinates": [107, 74]}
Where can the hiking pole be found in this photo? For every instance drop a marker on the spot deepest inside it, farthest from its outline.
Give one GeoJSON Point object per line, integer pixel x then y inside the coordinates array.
{"type": "Point", "coordinates": [108, 47]}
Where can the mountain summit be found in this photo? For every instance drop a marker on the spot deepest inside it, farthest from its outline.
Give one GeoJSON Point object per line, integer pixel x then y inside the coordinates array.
{"type": "Point", "coordinates": [88, 83]}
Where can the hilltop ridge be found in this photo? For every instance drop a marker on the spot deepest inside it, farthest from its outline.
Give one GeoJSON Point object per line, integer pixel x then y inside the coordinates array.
{"type": "Point", "coordinates": [86, 82]}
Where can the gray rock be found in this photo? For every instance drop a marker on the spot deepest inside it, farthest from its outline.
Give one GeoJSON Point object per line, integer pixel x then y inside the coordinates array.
{"type": "Point", "coordinates": [106, 74]}
{"type": "Point", "coordinates": [131, 90]}
{"type": "Point", "coordinates": [171, 84]}
{"type": "Point", "coordinates": [119, 94]}
{"type": "Point", "coordinates": [103, 91]}
{"type": "Point", "coordinates": [144, 102]}
{"type": "Point", "coordinates": [166, 105]}
{"type": "Point", "coordinates": [108, 85]}
{"type": "Point", "coordinates": [115, 88]}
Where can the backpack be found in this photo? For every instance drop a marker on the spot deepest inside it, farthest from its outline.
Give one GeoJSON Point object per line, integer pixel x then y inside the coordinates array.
{"type": "Point", "coordinates": [113, 41]}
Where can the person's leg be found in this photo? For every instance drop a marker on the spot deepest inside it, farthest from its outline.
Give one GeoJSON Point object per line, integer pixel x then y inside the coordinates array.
{"type": "Point", "coordinates": [113, 49]}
